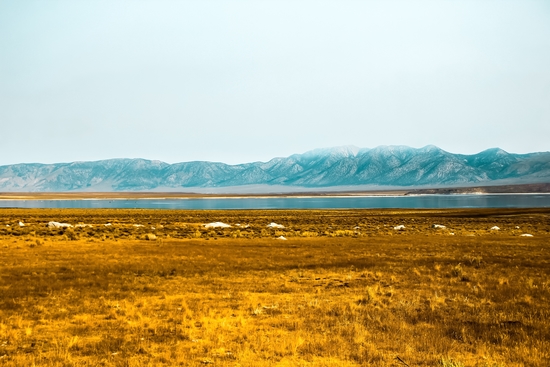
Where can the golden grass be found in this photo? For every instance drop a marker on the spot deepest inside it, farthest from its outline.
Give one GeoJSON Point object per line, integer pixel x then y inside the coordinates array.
{"type": "Point", "coordinates": [345, 289]}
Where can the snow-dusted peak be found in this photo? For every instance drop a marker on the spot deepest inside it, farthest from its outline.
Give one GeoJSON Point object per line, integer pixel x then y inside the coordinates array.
{"type": "Point", "coordinates": [341, 151]}
{"type": "Point", "coordinates": [431, 149]}
{"type": "Point", "coordinates": [390, 149]}
{"type": "Point", "coordinates": [494, 152]}
{"type": "Point", "coordinates": [141, 163]}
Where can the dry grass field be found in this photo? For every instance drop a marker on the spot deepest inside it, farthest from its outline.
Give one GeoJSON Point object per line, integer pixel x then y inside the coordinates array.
{"type": "Point", "coordinates": [157, 288]}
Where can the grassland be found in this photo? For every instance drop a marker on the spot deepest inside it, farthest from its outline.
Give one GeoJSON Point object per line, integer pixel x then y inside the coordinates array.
{"type": "Point", "coordinates": [344, 289]}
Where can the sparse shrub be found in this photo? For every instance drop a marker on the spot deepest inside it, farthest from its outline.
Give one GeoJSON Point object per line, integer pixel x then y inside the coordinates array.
{"type": "Point", "coordinates": [444, 362]}
{"type": "Point", "coordinates": [71, 235]}
{"type": "Point", "coordinates": [309, 234]}
{"type": "Point", "coordinates": [150, 237]}
{"type": "Point", "coordinates": [457, 271]}
{"type": "Point", "coordinates": [502, 281]}
{"type": "Point", "coordinates": [343, 233]}
{"type": "Point", "coordinates": [473, 260]}
{"type": "Point", "coordinates": [370, 297]}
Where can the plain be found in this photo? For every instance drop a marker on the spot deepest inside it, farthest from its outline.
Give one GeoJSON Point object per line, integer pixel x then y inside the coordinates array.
{"type": "Point", "coordinates": [346, 288]}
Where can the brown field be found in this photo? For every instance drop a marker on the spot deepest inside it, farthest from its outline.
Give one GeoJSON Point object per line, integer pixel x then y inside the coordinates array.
{"type": "Point", "coordinates": [344, 289]}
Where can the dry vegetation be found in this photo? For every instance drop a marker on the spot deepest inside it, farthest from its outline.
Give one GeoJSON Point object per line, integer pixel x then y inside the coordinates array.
{"type": "Point", "coordinates": [345, 289]}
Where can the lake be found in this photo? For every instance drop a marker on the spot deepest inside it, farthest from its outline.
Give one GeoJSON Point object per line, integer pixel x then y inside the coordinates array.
{"type": "Point", "coordinates": [345, 202]}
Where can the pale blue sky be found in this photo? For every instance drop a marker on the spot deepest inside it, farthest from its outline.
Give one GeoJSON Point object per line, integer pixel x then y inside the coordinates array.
{"type": "Point", "coordinates": [240, 81]}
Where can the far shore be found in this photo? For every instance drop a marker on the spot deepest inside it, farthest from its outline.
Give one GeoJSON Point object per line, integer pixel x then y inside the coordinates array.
{"type": "Point", "coordinates": [175, 195]}
{"type": "Point", "coordinates": [537, 188]}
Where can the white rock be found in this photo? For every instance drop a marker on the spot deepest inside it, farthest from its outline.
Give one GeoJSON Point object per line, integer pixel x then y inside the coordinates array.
{"type": "Point", "coordinates": [438, 226]}
{"type": "Point", "coordinates": [21, 224]}
{"type": "Point", "coordinates": [495, 228]}
{"type": "Point", "coordinates": [108, 224]}
{"type": "Point", "coordinates": [83, 225]}
{"type": "Point", "coordinates": [59, 225]}
{"type": "Point", "coordinates": [517, 227]}
{"type": "Point", "coordinates": [526, 235]}
{"type": "Point", "coordinates": [399, 227]}
{"type": "Point", "coordinates": [217, 225]}
{"type": "Point", "coordinates": [281, 238]}
{"type": "Point", "coordinates": [275, 225]}
{"type": "Point", "coordinates": [138, 225]}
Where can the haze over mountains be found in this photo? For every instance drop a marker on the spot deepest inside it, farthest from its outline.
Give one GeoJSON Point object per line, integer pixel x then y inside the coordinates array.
{"type": "Point", "coordinates": [348, 166]}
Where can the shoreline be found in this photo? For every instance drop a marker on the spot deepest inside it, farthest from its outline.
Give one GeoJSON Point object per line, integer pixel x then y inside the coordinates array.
{"type": "Point", "coordinates": [124, 196]}
{"type": "Point", "coordinates": [167, 196]}
{"type": "Point", "coordinates": [517, 189]}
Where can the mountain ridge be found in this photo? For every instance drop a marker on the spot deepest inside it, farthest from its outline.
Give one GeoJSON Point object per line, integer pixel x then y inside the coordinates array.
{"type": "Point", "coordinates": [384, 166]}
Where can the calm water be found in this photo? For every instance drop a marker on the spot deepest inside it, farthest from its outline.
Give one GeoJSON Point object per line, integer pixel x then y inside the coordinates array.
{"type": "Point", "coordinates": [427, 201]}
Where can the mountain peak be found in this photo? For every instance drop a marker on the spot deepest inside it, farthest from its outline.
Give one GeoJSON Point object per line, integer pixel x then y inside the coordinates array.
{"type": "Point", "coordinates": [344, 151]}
{"type": "Point", "coordinates": [495, 151]}
{"type": "Point", "coordinates": [431, 148]}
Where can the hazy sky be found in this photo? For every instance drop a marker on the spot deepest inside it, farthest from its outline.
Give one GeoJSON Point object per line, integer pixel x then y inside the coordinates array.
{"type": "Point", "coordinates": [240, 81]}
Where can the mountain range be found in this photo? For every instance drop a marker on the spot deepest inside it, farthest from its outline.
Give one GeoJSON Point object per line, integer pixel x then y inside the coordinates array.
{"type": "Point", "coordinates": [348, 166]}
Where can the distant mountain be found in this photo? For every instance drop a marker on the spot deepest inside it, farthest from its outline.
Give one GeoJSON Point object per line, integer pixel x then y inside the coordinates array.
{"type": "Point", "coordinates": [388, 166]}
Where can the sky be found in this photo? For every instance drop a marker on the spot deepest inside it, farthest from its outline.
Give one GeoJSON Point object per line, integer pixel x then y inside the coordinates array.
{"type": "Point", "coordinates": [243, 81]}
